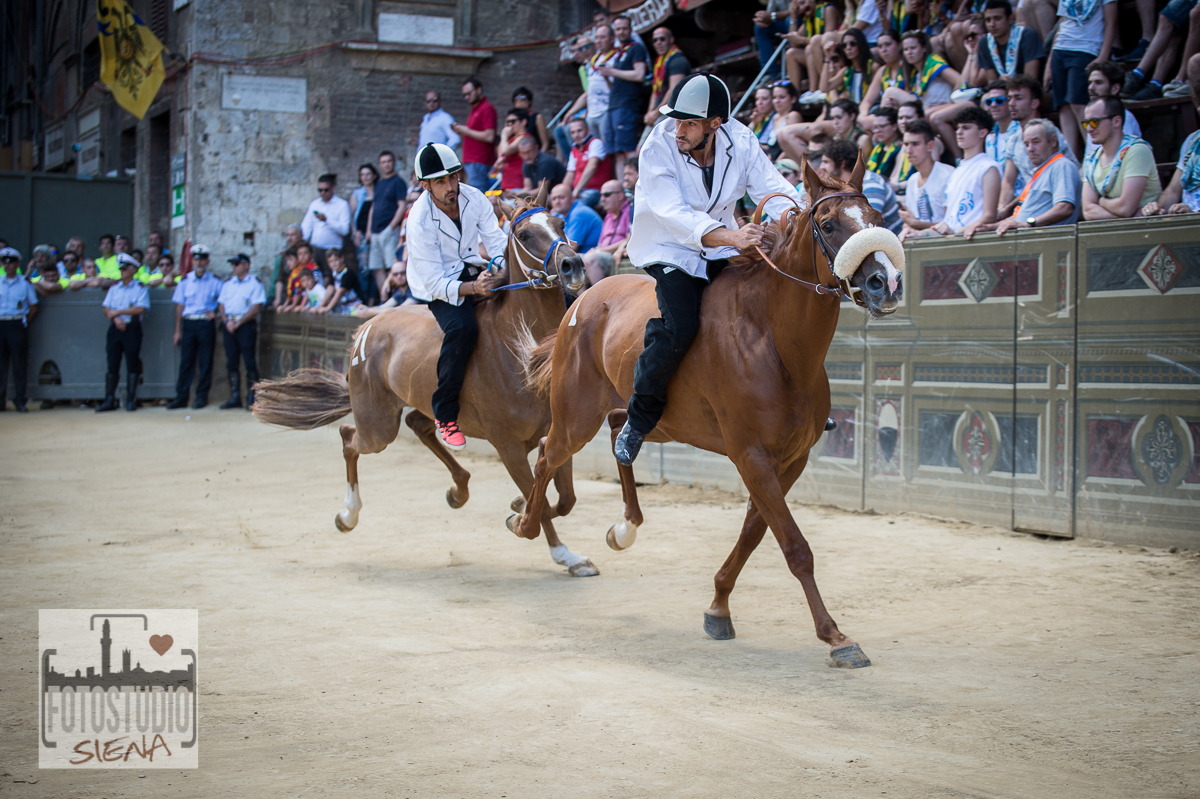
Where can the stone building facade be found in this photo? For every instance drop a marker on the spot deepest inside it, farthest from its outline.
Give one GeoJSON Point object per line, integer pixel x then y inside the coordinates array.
{"type": "Point", "coordinates": [248, 137]}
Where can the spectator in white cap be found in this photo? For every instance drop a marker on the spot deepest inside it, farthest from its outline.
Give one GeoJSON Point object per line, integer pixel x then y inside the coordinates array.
{"type": "Point", "coordinates": [124, 304]}
{"type": "Point", "coordinates": [195, 300]}
{"type": "Point", "coordinates": [694, 168]}
{"type": "Point", "coordinates": [18, 304]}
{"type": "Point", "coordinates": [445, 228]}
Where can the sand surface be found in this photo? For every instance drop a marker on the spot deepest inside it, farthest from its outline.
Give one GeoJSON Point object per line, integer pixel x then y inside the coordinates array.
{"type": "Point", "coordinates": [430, 653]}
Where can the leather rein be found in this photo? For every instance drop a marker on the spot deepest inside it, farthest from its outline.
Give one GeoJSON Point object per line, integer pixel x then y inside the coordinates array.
{"type": "Point", "coordinates": [540, 279]}
{"type": "Point", "coordinates": [842, 288]}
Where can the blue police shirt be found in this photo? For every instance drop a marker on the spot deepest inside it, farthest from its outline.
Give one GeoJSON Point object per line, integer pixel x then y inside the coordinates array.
{"type": "Point", "coordinates": [583, 226]}
{"type": "Point", "coordinates": [238, 295]}
{"type": "Point", "coordinates": [197, 295]}
{"type": "Point", "coordinates": [120, 296]}
{"type": "Point", "coordinates": [16, 295]}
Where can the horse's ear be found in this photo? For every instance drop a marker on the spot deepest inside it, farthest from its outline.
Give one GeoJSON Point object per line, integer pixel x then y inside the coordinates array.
{"type": "Point", "coordinates": [543, 194]}
{"type": "Point", "coordinates": [813, 185]}
{"type": "Point", "coordinates": [856, 177]}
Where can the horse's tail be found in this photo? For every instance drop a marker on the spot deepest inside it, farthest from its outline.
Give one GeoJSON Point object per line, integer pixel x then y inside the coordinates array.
{"type": "Point", "coordinates": [539, 365]}
{"type": "Point", "coordinates": [304, 400]}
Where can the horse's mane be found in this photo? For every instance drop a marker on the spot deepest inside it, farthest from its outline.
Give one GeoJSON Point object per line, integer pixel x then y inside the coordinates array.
{"type": "Point", "coordinates": [777, 235]}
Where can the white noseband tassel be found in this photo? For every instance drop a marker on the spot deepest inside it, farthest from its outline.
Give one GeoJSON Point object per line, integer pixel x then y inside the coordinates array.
{"type": "Point", "coordinates": [859, 246]}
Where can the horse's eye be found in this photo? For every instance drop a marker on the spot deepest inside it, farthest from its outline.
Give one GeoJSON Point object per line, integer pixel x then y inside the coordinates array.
{"type": "Point", "coordinates": [523, 235]}
{"type": "Point", "coordinates": [827, 227]}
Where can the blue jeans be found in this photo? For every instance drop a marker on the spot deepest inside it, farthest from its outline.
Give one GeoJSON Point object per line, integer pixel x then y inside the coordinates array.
{"type": "Point", "coordinates": [477, 175]}
{"type": "Point", "coordinates": [768, 41]}
{"type": "Point", "coordinates": [602, 129]}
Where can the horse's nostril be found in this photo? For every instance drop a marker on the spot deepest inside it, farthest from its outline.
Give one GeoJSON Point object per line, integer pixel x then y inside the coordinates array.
{"type": "Point", "coordinates": [875, 283]}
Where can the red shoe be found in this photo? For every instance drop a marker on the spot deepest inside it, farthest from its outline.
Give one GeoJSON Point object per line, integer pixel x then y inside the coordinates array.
{"type": "Point", "coordinates": [450, 436]}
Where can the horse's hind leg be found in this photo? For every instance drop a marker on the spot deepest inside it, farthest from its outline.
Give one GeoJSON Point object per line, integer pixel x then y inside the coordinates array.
{"type": "Point", "coordinates": [347, 519]}
{"type": "Point", "coordinates": [622, 534]}
{"type": "Point", "coordinates": [423, 426]}
{"type": "Point", "coordinates": [514, 457]}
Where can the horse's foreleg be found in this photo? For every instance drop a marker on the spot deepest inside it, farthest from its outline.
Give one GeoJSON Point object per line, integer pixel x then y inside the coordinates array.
{"type": "Point", "coordinates": [514, 457]}
{"type": "Point", "coordinates": [767, 489]}
{"type": "Point", "coordinates": [346, 519]}
{"type": "Point", "coordinates": [622, 534]}
{"type": "Point", "coordinates": [718, 622]}
{"type": "Point", "coordinates": [423, 426]}
{"type": "Point", "coordinates": [551, 455]}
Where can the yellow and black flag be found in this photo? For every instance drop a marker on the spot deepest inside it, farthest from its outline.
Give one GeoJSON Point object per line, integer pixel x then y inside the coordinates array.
{"type": "Point", "coordinates": [131, 64]}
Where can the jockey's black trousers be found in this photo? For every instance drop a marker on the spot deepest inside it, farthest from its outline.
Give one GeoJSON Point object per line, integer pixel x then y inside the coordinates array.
{"type": "Point", "coordinates": [459, 334]}
{"type": "Point", "coordinates": [667, 340]}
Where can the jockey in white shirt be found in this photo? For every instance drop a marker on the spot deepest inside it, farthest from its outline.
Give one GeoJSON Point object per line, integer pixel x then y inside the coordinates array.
{"type": "Point", "coordinates": [694, 167]}
{"type": "Point", "coordinates": [445, 269]}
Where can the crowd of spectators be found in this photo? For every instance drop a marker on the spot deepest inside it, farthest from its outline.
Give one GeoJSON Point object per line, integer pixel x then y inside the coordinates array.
{"type": "Point", "coordinates": [973, 116]}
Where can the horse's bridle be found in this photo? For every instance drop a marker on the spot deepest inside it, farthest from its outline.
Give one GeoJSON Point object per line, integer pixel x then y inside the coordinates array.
{"type": "Point", "coordinates": [543, 278]}
{"type": "Point", "coordinates": [843, 287]}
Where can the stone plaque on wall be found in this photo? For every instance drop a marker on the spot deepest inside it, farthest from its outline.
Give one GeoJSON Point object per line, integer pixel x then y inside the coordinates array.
{"type": "Point", "coordinates": [416, 29]}
{"type": "Point", "coordinates": [255, 93]}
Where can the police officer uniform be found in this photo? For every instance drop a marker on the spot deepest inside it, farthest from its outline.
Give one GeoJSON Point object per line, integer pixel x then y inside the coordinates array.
{"type": "Point", "coordinates": [121, 296]}
{"type": "Point", "coordinates": [443, 255]}
{"type": "Point", "coordinates": [676, 203]}
{"type": "Point", "coordinates": [195, 301]}
{"type": "Point", "coordinates": [18, 302]}
{"type": "Point", "coordinates": [240, 301]}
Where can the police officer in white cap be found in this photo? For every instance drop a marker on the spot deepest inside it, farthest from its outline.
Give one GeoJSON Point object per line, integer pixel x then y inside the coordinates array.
{"type": "Point", "coordinates": [195, 301]}
{"type": "Point", "coordinates": [124, 305]}
{"type": "Point", "coordinates": [242, 297]}
{"type": "Point", "coordinates": [694, 167]}
{"type": "Point", "coordinates": [18, 304]}
{"type": "Point", "coordinates": [446, 226]}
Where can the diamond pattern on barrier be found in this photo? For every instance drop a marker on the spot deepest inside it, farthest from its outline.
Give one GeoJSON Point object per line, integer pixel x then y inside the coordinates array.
{"type": "Point", "coordinates": [978, 280]}
{"type": "Point", "coordinates": [1160, 269]}
{"type": "Point", "coordinates": [1161, 450]}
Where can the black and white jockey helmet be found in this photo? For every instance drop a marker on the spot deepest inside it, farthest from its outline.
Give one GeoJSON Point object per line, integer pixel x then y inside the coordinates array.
{"type": "Point", "coordinates": [436, 160]}
{"type": "Point", "coordinates": [699, 96]}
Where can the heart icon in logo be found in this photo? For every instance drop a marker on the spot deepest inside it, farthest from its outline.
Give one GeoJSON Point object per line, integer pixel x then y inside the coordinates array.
{"type": "Point", "coordinates": [161, 643]}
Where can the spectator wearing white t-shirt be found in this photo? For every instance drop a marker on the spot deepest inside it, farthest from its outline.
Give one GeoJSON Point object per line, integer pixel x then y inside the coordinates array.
{"type": "Point", "coordinates": [1086, 32]}
{"type": "Point", "coordinates": [868, 22]}
{"type": "Point", "coordinates": [599, 87]}
{"type": "Point", "coordinates": [925, 192]}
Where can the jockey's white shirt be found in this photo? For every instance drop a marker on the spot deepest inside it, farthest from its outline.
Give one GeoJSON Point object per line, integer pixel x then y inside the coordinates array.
{"type": "Point", "coordinates": [672, 208]}
{"type": "Point", "coordinates": [437, 252]}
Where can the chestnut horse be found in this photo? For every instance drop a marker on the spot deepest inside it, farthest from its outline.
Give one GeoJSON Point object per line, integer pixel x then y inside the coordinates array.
{"type": "Point", "coordinates": [393, 365]}
{"type": "Point", "coordinates": [752, 386]}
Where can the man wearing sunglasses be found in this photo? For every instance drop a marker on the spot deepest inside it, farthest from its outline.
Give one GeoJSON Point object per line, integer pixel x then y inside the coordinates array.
{"type": "Point", "coordinates": [18, 304]}
{"type": "Point", "coordinates": [437, 125]}
{"type": "Point", "coordinates": [326, 223]}
{"type": "Point", "coordinates": [1119, 176]}
{"type": "Point", "coordinates": [995, 102]}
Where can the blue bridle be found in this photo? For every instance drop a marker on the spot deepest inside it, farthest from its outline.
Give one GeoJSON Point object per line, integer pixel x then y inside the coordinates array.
{"type": "Point", "coordinates": [537, 282]}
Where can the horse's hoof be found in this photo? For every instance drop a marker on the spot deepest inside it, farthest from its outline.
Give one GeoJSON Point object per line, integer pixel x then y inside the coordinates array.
{"type": "Point", "coordinates": [518, 505]}
{"type": "Point", "coordinates": [451, 500]}
{"type": "Point", "coordinates": [584, 569]}
{"type": "Point", "coordinates": [719, 627]}
{"type": "Point", "coordinates": [512, 523]}
{"type": "Point", "coordinates": [849, 657]}
{"type": "Point", "coordinates": [341, 525]}
{"type": "Point", "coordinates": [621, 535]}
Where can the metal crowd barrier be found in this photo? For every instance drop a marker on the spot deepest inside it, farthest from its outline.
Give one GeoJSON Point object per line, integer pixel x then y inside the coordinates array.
{"type": "Point", "coordinates": [67, 349]}
{"type": "Point", "coordinates": [1046, 381]}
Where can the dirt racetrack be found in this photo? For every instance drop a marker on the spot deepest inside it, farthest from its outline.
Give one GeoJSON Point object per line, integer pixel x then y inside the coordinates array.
{"type": "Point", "coordinates": [430, 653]}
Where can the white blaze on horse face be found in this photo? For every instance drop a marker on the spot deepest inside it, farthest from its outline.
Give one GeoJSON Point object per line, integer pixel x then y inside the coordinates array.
{"type": "Point", "coordinates": [892, 272]}
{"type": "Point", "coordinates": [855, 213]}
{"type": "Point", "coordinates": [542, 220]}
